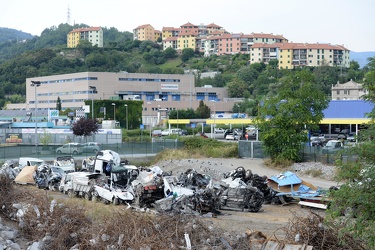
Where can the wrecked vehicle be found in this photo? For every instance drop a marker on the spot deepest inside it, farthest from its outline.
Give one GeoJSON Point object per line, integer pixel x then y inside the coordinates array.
{"type": "Point", "coordinates": [148, 187]}
{"type": "Point", "coordinates": [197, 193]}
{"type": "Point", "coordinates": [48, 177]}
{"type": "Point", "coordinates": [80, 184]}
{"type": "Point", "coordinates": [118, 189]}
{"type": "Point", "coordinates": [66, 163]}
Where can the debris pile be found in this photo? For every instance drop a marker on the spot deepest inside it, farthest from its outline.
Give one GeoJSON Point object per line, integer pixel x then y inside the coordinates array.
{"type": "Point", "coordinates": [312, 230]}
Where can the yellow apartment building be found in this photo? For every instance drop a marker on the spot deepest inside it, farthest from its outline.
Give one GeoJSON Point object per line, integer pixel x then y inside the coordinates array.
{"type": "Point", "coordinates": [93, 34]}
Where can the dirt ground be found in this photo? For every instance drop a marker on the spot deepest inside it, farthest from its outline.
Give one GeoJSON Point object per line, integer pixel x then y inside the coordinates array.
{"type": "Point", "coordinates": [270, 219]}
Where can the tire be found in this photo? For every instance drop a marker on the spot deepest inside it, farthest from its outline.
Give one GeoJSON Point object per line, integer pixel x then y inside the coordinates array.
{"type": "Point", "coordinates": [75, 152]}
{"type": "Point", "coordinates": [51, 187]}
{"type": "Point", "coordinates": [116, 201]}
{"type": "Point", "coordinates": [58, 152]}
{"type": "Point", "coordinates": [95, 151]}
{"type": "Point", "coordinates": [71, 193]}
{"type": "Point", "coordinates": [87, 196]}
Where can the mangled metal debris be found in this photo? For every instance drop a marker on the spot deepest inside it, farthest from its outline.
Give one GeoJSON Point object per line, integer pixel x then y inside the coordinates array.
{"type": "Point", "coordinates": [107, 179]}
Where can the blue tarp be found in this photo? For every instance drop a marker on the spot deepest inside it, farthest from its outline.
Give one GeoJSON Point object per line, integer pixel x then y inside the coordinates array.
{"type": "Point", "coordinates": [285, 179]}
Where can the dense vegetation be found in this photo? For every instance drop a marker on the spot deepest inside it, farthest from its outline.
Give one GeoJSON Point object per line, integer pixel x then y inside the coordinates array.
{"type": "Point", "coordinates": [48, 55]}
{"type": "Point", "coordinates": [355, 197]}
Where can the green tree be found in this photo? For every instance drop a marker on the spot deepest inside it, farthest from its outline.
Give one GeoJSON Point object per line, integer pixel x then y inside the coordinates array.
{"type": "Point", "coordinates": [58, 104]}
{"type": "Point", "coordinates": [285, 117]}
{"type": "Point", "coordinates": [237, 88]}
{"type": "Point", "coordinates": [203, 111]}
{"type": "Point", "coordinates": [356, 194]}
{"type": "Point", "coordinates": [170, 53]}
{"type": "Point", "coordinates": [186, 54]}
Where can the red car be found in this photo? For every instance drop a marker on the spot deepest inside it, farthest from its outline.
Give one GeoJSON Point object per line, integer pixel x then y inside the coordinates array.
{"type": "Point", "coordinates": [203, 135]}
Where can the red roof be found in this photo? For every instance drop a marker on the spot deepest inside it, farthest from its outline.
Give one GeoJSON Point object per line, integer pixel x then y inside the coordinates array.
{"type": "Point", "coordinates": [86, 29]}
{"type": "Point", "coordinates": [212, 25]}
{"type": "Point", "coordinates": [188, 24]}
{"type": "Point", "coordinates": [143, 26]}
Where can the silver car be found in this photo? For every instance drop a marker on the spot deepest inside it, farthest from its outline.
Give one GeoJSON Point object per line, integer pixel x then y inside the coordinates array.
{"type": "Point", "coordinates": [70, 148]}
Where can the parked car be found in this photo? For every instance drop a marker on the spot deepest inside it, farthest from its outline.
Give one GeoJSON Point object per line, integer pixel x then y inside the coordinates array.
{"type": "Point", "coordinates": [70, 148]}
{"type": "Point", "coordinates": [183, 132]}
{"type": "Point", "coordinates": [351, 137]}
{"type": "Point", "coordinates": [233, 136]}
{"type": "Point", "coordinates": [202, 134]}
{"type": "Point", "coordinates": [332, 146]}
{"type": "Point", "coordinates": [317, 139]}
{"type": "Point", "coordinates": [219, 130]}
{"type": "Point", "coordinates": [91, 147]}
{"type": "Point", "coordinates": [156, 133]}
{"type": "Point", "coordinates": [165, 132]}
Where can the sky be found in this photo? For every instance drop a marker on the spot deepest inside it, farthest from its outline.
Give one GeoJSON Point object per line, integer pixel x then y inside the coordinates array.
{"type": "Point", "coordinates": [344, 22]}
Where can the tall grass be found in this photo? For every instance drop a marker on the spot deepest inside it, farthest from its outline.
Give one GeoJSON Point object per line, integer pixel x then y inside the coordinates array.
{"type": "Point", "coordinates": [196, 147]}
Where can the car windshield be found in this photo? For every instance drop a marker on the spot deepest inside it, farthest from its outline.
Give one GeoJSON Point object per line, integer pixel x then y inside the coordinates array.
{"type": "Point", "coordinates": [57, 170]}
{"type": "Point", "coordinates": [330, 144]}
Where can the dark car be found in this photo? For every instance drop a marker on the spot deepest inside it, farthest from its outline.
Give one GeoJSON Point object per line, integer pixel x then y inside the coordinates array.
{"type": "Point", "coordinates": [183, 132]}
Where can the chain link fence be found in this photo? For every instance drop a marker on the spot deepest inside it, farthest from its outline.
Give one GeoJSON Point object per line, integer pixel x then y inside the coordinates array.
{"type": "Point", "coordinates": [125, 149]}
{"type": "Point", "coordinates": [254, 149]}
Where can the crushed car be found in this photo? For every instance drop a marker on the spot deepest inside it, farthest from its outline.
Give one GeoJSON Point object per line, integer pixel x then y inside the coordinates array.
{"type": "Point", "coordinates": [48, 177]}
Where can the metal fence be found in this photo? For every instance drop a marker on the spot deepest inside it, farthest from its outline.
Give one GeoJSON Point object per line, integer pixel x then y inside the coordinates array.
{"type": "Point", "coordinates": [253, 149]}
{"type": "Point", "coordinates": [125, 149]}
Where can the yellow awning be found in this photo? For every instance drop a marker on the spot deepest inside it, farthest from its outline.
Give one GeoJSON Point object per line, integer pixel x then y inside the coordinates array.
{"type": "Point", "coordinates": [230, 121]}
{"type": "Point", "coordinates": [345, 120]}
{"type": "Point", "coordinates": [179, 121]}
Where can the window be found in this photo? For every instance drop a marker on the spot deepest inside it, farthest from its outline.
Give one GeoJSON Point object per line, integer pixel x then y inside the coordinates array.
{"type": "Point", "coordinates": [200, 96]}
{"type": "Point", "coordinates": [338, 92]}
{"type": "Point", "coordinates": [176, 97]}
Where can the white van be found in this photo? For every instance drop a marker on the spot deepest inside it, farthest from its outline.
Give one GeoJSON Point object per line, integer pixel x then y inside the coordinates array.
{"type": "Point", "coordinates": [29, 161]}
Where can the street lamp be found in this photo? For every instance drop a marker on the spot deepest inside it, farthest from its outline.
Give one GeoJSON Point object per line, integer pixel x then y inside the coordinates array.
{"type": "Point", "coordinates": [36, 84]}
{"type": "Point", "coordinates": [93, 91]}
{"type": "Point", "coordinates": [114, 111]}
{"type": "Point", "coordinates": [214, 101]}
{"type": "Point", "coordinates": [126, 106]}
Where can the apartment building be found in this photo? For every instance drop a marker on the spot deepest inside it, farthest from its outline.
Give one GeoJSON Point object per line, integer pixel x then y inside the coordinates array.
{"type": "Point", "coordinates": [157, 91]}
{"type": "Point", "coordinates": [144, 32]}
{"type": "Point", "coordinates": [93, 34]}
{"type": "Point", "coordinates": [292, 55]}
{"type": "Point", "coordinates": [347, 91]}
{"type": "Point", "coordinates": [238, 43]}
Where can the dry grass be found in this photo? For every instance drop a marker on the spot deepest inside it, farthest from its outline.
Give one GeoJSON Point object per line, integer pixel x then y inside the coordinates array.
{"type": "Point", "coordinates": [281, 165]}
{"type": "Point", "coordinates": [92, 225]}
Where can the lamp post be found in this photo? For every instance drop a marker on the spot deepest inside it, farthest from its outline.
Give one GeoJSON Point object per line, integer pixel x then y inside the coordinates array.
{"type": "Point", "coordinates": [214, 117]}
{"type": "Point", "coordinates": [114, 111]}
{"type": "Point", "coordinates": [93, 91]}
{"type": "Point", "coordinates": [36, 84]}
{"type": "Point", "coordinates": [126, 106]}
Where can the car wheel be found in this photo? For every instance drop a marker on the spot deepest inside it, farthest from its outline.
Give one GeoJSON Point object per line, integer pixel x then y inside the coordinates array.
{"type": "Point", "coordinates": [75, 152]}
{"type": "Point", "coordinates": [71, 193]}
{"type": "Point", "coordinates": [58, 152]}
{"type": "Point", "coordinates": [95, 151]}
{"type": "Point", "coordinates": [116, 201]}
{"type": "Point", "coordinates": [51, 187]}
{"type": "Point", "coordinates": [87, 196]}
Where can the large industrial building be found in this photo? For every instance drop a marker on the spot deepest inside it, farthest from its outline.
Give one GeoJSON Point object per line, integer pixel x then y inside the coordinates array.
{"type": "Point", "coordinates": [157, 91]}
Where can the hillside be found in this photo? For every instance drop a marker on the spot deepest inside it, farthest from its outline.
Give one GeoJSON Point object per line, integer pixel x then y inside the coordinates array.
{"type": "Point", "coordinates": [361, 57]}
{"type": "Point", "coordinates": [7, 34]}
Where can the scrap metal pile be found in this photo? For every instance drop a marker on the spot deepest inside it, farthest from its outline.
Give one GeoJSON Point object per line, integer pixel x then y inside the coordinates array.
{"type": "Point", "coordinates": [110, 180]}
